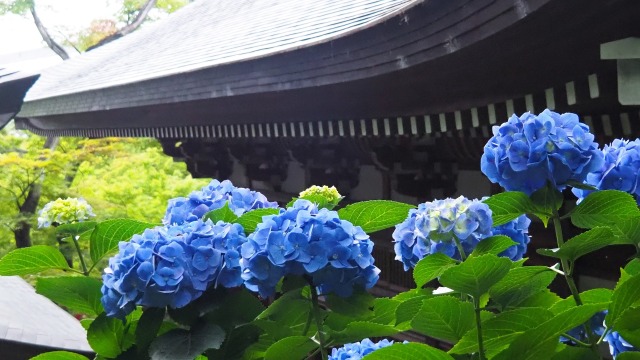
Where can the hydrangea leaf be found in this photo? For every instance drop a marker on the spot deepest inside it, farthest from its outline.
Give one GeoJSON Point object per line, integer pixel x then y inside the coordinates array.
{"type": "Point", "coordinates": [499, 331]}
{"type": "Point", "coordinates": [251, 219]}
{"type": "Point", "coordinates": [375, 215]}
{"type": "Point", "coordinates": [476, 275]}
{"type": "Point", "coordinates": [237, 307]}
{"type": "Point", "coordinates": [222, 214]}
{"type": "Point", "coordinates": [546, 202]}
{"type": "Point", "coordinates": [629, 355]}
{"type": "Point", "coordinates": [385, 311]}
{"type": "Point", "coordinates": [582, 244]}
{"type": "Point", "coordinates": [593, 296]}
{"type": "Point", "coordinates": [574, 353]}
{"type": "Point", "coordinates": [603, 208]}
{"type": "Point", "coordinates": [628, 326]}
{"type": "Point", "coordinates": [627, 231]}
{"type": "Point", "coordinates": [107, 234]}
{"type": "Point", "coordinates": [508, 205]}
{"type": "Point", "coordinates": [543, 299]}
{"type": "Point", "coordinates": [293, 347]}
{"type": "Point", "coordinates": [430, 267]}
{"type": "Point", "coordinates": [412, 351]}
{"type": "Point", "coordinates": [32, 260]}
{"type": "Point", "coordinates": [236, 343]}
{"type": "Point", "coordinates": [75, 228]}
{"type": "Point", "coordinates": [633, 267]}
{"type": "Point", "coordinates": [493, 245]}
{"type": "Point", "coordinates": [181, 344]}
{"type": "Point", "coordinates": [444, 317]}
{"type": "Point", "coordinates": [520, 283]}
{"type": "Point", "coordinates": [59, 355]}
{"type": "Point", "coordinates": [78, 293]}
{"type": "Point", "coordinates": [408, 309]}
{"type": "Point", "coordinates": [541, 341]}
{"type": "Point", "coordinates": [148, 326]}
{"type": "Point", "coordinates": [358, 330]}
{"type": "Point", "coordinates": [625, 295]}
{"type": "Point", "coordinates": [105, 335]}
{"type": "Point", "coordinates": [359, 304]}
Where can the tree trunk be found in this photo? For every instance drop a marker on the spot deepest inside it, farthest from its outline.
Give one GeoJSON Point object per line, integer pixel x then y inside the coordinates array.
{"type": "Point", "coordinates": [142, 15]}
{"type": "Point", "coordinates": [53, 45]}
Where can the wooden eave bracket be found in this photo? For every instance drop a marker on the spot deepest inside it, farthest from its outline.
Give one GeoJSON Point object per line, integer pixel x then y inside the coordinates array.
{"type": "Point", "coordinates": [626, 52]}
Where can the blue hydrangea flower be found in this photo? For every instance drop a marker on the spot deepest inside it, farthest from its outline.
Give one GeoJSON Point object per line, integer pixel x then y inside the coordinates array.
{"type": "Point", "coordinates": [356, 351]}
{"type": "Point", "coordinates": [518, 231]}
{"type": "Point", "coordinates": [619, 171]}
{"type": "Point", "coordinates": [172, 266]}
{"type": "Point", "coordinates": [528, 151]}
{"type": "Point", "coordinates": [432, 227]}
{"type": "Point", "coordinates": [212, 197]}
{"type": "Point", "coordinates": [303, 240]}
{"type": "Point", "coordinates": [617, 344]}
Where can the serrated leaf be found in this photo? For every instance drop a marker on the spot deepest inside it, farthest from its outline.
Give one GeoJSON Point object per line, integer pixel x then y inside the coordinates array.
{"type": "Point", "coordinates": [105, 335]}
{"type": "Point", "coordinates": [384, 310]}
{"type": "Point", "coordinates": [357, 305]}
{"type": "Point", "coordinates": [582, 244]}
{"type": "Point", "coordinates": [627, 231]}
{"type": "Point", "coordinates": [542, 299]}
{"type": "Point", "coordinates": [408, 309]}
{"type": "Point", "coordinates": [75, 228]}
{"type": "Point", "coordinates": [148, 326]}
{"type": "Point", "coordinates": [625, 295]}
{"type": "Point", "coordinates": [413, 351]}
{"type": "Point", "coordinates": [107, 234]}
{"type": "Point", "coordinates": [375, 215]}
{"type": "Point", "coordinates": [521, 283]}
{"type": "Point", "coordinates": [493, 245]}
{"type": "Point", "coordinates": [32, 260]}
{"type": "Point", "coordinates": [181, 344]}
{"type": "Point", "coordinates": [593, 296]}
{"type": "Point", "coordinates": [546, 201]}
{"type": "Point", "coordinates": [358, 330]}
{"type": "Point", "coordinates": [629, 355]}
{"type": "Point", "coordinates": [251, 219]}
{"type": "Point", "coordinates": [78, 293]}
{"type": "Point", "coordinates": [293, 347]}
{"type": "Point", "coordinates": [499, 331]}
{"type": "Point", "coordinates": [603, 208]}
{"type": "Point", "coordinates": [430, 267]}
{"type": "Point", "coordinates": [508, 205]}
{"type": "Point", "coordinates": [476, 275]}
{"type": "Point", "coordinates": [445, 318]}
{"type": "Point", "coordinates": [221, 214]}
{"type": "Point", "coordinates": [628, 326]}
{"type": "Point", "coordinates": [574, 353]}
{"type": "Point", "coordinates": [59, 355]}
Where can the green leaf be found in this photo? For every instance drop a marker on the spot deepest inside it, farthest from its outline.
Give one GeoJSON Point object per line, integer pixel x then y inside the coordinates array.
{"type": "Point", "coordinates": [574, 353]}
{"type": "Point", "coordinates": [357, 305]}
{"type": "Point", "coordinates": [78, 293]}
{"type": "Point", "coordinates": [540, 342]}
{"type": "Point", "coordinates": [628, 326]}
{"type": "Point", "coordinates": [628, 231]}
{"type": "Point", "coordinates": [148, 326]}
{"type": "Point", "coordinates": [493, 245]}
{"type": "Point", "coordinates": [445, 318]}
{"type": "Point", "coordinates": [603, 208]}
{"type": "Point", "coordinates": [293, 347]}
{"type": "Point", "coordinates": [75, 228]}
{"type": "Point", "coordinates": [408, 309]}
{"type": "Point", "coordinates": [633, 267]}
{"type": "Point", "coordinates": [499, 331]}
{"type": "Point", "coordinates": [476, 275]}
{"type": "Point", "coordinates": [235, 309]}
{"type": "Point", "coordinates": [59, 355]}
{"type": "Point", "coordinates": [105, 335]}
{"type": "Point", "coordinates": [430, 267]}
{"type": "Point", "coordinates": [546, 201]}
{"type": "Point", "coordinates": [181, 344]}
{"type": "Point", "coordinates": [413, 351]}
{"type": "Point", "coordinates": [385, 311]}
{"type": "Point", "coordinates": [251, 219]}
{"type": "Point", "coordinates": [107, 234]}
{"type": "Point", "coordinates": [520, 283]}
{"type": "Point", "coordinates": [358, 330]}
{"type": "Point", "coordinates": [32, 260]}
{"type": "Point", "coordinates": [509, 205]}
{"type": "Point", "coordinates": [375, 215]}
{"type": "Point", "coordinates": [236, 343]}
{"type": "Point", "coordinates": [542, 299]}
{"type": "Point", "coordinates": [625, 295]}
{"type": "Point", "coordinates": [593, 296]}
{"type": "Point", "coordinates": [222, 214]}
{"type": "Point", "coordinates": [582, 244]}
{"type": "Point", "coordinates": [629, 355]}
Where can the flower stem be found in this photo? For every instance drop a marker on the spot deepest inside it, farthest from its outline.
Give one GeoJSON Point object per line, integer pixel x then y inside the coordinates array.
{"type": "Point", "coordinates": [476, 305]}
{"type": "Point", "coordinates": [568, 275]}
{"type": "Point", "coordinates": [82, 263]}
{"type": "Point", "coordinates": [318, 318]}
{"type": "Point", "coordinates": [463, 256]}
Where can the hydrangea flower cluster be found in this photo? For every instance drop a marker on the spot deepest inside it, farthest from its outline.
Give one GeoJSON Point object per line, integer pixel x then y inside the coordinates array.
{"type": "Point", "coordinates": [518, 231]}
{"type": "Point", "coordinates": [356, 351]}
{"type": "Point", "coordinates": [172, 266]}
{"type": "Point", "coordinates": [329, 194]}
{"type": "Point", "coordinates": [303, 240]}
{"type": "Point", "coordinates": [64, 211]}
{"type": "Point", "coordinates": [212, 197]}
{"type": "Point", "coordinates": [616, 343]}
{"type": "Point", "coordinates": [528, 151]}
{"type": "Point", "coordinates": [433, 226]}
{"type": "Point", "coordinates": [619, 171]}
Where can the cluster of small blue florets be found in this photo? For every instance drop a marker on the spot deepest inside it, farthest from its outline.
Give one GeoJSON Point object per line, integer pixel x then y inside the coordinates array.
{"type": "Point", "coordinates": [356, 351]}
{"type": "Point", "coordinates": [619, 171]}
{"type": "Point", "coordinates": [528, 151]}
{"type": "Point", "coordinates": [212, 197]}
{"type": "Point", "coordinates": [433, 227]}
{"type": "Point", "coordinates": [172, 266]}
{"type": "Point", "coordinates": [303, 240]}
{"type": "Point", "coordinates": [617, 344]}
{"type": "Point", "coordinates": [518, 231]}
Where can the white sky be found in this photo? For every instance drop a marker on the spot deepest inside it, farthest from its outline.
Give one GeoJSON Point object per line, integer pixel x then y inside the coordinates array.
{"type": "Point", "coordinates": [18, 33]}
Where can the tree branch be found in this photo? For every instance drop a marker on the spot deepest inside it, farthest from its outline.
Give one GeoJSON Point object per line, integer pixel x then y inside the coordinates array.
{"type": "Point", "coordinates": [129, 28]}
{"type": "Point", "coordinates": [46, 37]}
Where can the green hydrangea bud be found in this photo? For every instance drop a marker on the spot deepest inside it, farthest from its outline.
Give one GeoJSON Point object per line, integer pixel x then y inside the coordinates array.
{"type": "Point", "coordinates": [64, 211]}
{"type": "Point", "coordinates": [323, 196]}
